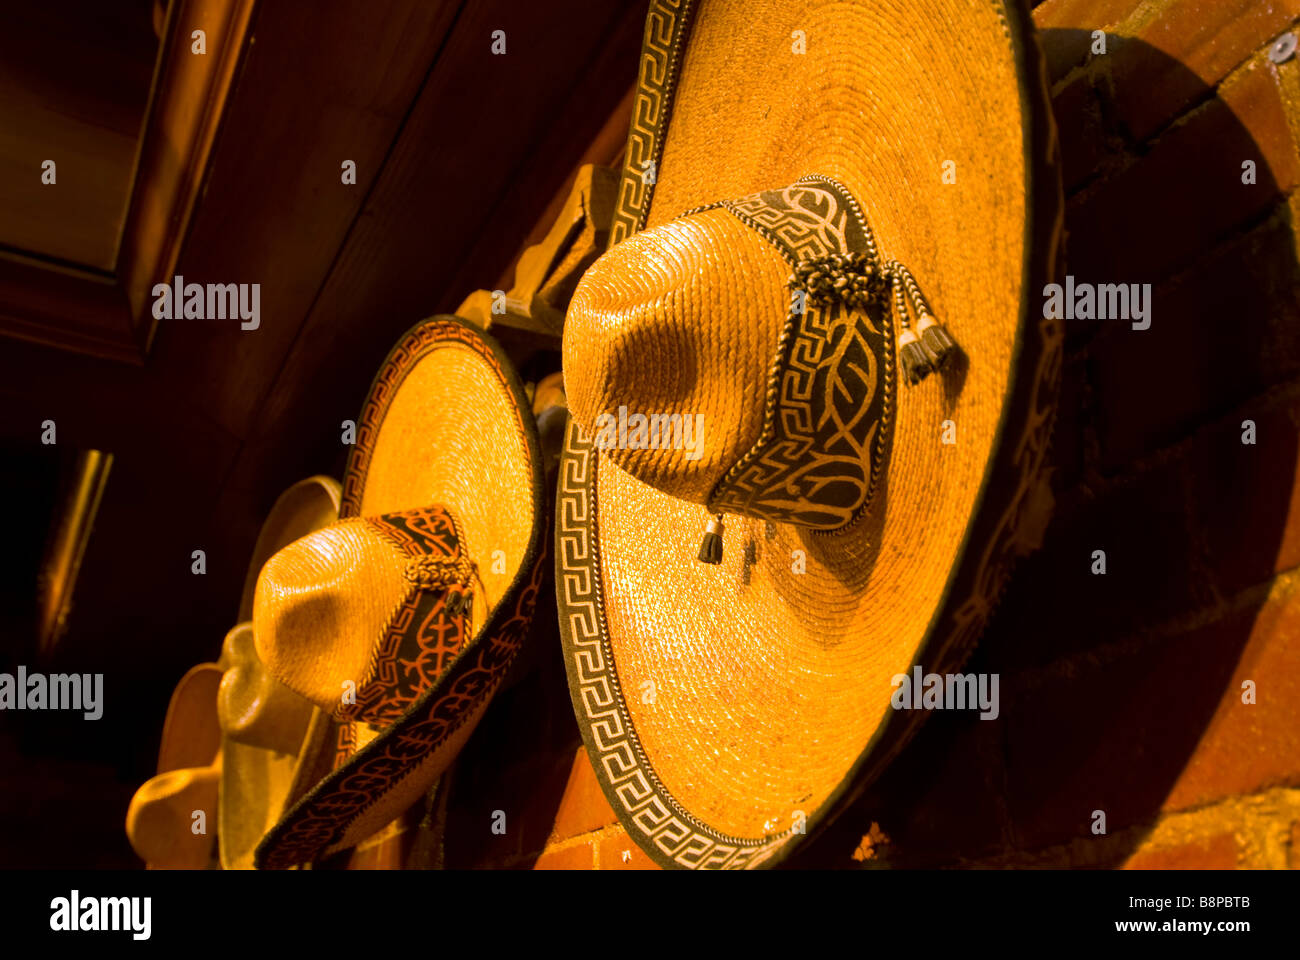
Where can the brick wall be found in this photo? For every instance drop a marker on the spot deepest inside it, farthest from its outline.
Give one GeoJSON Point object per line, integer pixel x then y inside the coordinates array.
{"type": "Point", "coordinates": [1121, 692]}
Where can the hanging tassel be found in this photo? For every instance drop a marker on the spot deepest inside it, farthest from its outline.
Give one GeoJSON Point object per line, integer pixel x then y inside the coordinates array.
{"type": "Point", "coordinates": [928, 347]}
{"type": "Point", "coordinates": [711, 545]}
{"type": "Point", "coordinates": [913, 356]}
{"type": "Point", "coordinates": [936, 339]}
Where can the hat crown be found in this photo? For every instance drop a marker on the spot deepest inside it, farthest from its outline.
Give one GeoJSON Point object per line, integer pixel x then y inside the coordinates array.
{"type": "Point", "coordinates": [253, 708]}
{"type": "Point", "coordinates": [769, 315]}
{"type": "Point", "coordinates": [383, 602]}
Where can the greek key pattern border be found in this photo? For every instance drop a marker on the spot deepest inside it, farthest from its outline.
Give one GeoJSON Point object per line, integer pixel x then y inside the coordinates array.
{"type": "Point", "coordinates": [646, 809]}
{"type": "Point", "coordinates": [807, 465]}
{"type": "Point", "coordinates": [415, 343]}
{"type": "Point", "coordinates": [667, 26]}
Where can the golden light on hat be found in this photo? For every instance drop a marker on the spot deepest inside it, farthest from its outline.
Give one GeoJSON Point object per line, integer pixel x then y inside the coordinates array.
{"type": "Point", "coordinates": [400, 620]}
{"type": "Point", "coordinates": [264, 747]}
{"type": "Point", "coordinates": [834, 221]}
{"type": "Point", "coordinates": [160, 821]}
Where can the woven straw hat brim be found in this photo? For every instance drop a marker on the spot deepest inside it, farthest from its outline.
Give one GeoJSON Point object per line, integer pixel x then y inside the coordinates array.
{"type": "Point", "coordinates": [446, 422]}
{"type": "Point", "coordinates": [158, 819]}
{"type": "Point", "coordinates": [724, 707]}
{"type": "Point", "coordinates": [191, 733]}
{"type": "Point", "coordinates": [256, 782]}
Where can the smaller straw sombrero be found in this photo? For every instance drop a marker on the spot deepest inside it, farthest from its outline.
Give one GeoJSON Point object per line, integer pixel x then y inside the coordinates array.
{"type": "Point", "coordinates": [761, 520]}
{"type": "Point", "coordinates": [400, 620]}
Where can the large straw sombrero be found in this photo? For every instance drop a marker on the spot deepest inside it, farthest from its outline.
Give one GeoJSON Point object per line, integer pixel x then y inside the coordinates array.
{"type": "Point", "coordinates": [834, 224]}
{"type": "Point", "coordinates": [400, 620]}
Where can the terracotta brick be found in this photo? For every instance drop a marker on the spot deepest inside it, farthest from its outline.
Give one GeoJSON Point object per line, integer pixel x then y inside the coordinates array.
{"type": "Point", "coordinates": [1161, 728]}
{"type": "Point", "coordinates": [1257, 95]}
{"type": "Point", "coordinates": [1065, 28]}
{"type": "Point", "coordinates": [1220, 334]}
{"type": "Point", "coordinates": [618, 852]}
{"type": "Point", "coordinates": [1215, 853]}
{"type": "Point", "coordinates": [579, 857]}
{"type": "Point", "coordinates": [1081, 13]}
{"type": "Point", "coordinates": [1202, 41]}
{"type": "Point", "coordinates": [1186, 194]}
{"type": "Point", "coordinates": [1087, 147]}
{"type": "Point", "coordinates": [1246, 748]}
{"type": "Point", "coordinates": [1116, 734]}
{"type": "Point", "coordinates": [1056, 606]}
{"type": "Point", "coordinates": [1246, 498]}
{"type": "Point", "coordinates": [583, 806]}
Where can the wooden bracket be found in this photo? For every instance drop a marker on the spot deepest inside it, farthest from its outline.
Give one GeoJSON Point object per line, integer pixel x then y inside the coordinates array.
{"type": "Point", "coordinates": [548, 272]}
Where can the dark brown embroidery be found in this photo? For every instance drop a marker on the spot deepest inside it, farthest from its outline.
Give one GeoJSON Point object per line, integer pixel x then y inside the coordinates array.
{"type": "Point", "coordinates": [426, 630]}
{"type": "Point", "coordinates": [830, 391]}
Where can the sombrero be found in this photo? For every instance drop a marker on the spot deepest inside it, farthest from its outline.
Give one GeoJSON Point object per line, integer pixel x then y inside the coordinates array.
{"type": "Point", "coordinates": [160, 821]}
{"type": "Point", "coordinates": [400, 620]}
{"type": "Point", "coordinates": [818, 342]}
{"type": "Point", "coordinates": [233, 738]}
{"type": "Point", "coordinates": [265, 745]}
